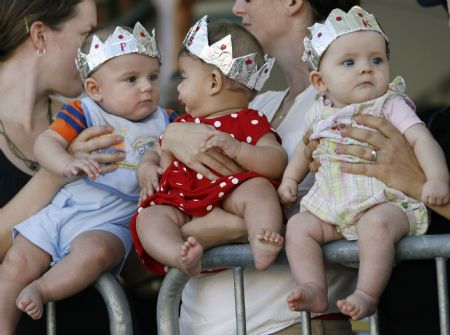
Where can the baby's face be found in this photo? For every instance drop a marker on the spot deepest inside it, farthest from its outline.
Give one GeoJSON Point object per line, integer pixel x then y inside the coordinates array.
{"type": "Point", "coordinates": [355, 68]}
{"type": "Point", "coordinates": [129, 86]}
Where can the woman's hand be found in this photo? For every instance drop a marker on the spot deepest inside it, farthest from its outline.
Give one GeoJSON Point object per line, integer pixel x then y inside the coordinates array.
{"type": "Point", "coordinates": [395, 163]}
{"type": "Point", "coordinates": [184, 141]}
{"type": "Point", "coordinates": [95, 138]}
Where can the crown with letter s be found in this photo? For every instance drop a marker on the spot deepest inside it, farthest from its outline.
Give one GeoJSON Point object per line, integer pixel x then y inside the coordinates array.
{"type": "Point", "coordinates": [120, 42]}
{"type": "Point", "coordinates": [243, 69]}
{"type": "Point", "coordinates": [338, 23]}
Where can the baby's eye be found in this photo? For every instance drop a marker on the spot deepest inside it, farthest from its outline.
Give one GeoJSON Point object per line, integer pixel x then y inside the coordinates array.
{"type": "Point", "coordinates": [131, 79]}
{"type": "Point", "coordinates": [377, 60]}
{"type": "Point", "coordinates": [349, 62]}
{"type": "Point", "coordinates": [153, 77]}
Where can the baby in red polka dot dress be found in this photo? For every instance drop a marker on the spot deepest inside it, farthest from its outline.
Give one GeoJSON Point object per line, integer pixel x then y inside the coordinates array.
{"type": "Point", "coordinates": [222, 66]}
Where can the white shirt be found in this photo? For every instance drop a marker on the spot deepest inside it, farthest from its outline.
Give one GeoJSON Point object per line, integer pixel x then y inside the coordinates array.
{"type": "Point", "coordinates": [208, 301]}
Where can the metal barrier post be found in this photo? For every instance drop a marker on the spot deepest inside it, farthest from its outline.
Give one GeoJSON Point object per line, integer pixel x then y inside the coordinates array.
{"type": "Point", "coordinates": [238, 275]}
{"type": "Point", "coordinates": [120, 322]}
{"type": "Point", "coordinates": [373, 324]}
{"type": "Point", "coordinates": [51, 318]}
{"type": "Point", "coordinates": [167, 310]}
{"type": "Point", "coordinates": [441, 272]}
{"type": "Point", "coordinates": [306, 323]}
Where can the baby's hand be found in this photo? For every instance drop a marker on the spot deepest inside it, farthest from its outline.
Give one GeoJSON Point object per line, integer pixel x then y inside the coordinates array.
{"type": "Point", "coordinates": [148, 178]}
{"type": "Point", "coordinates": [82, 166]}
{"type": "Point", "coordinates": [223, 141]}
{"type": "Point", "coordinates": [435, 192]}
{"type": "Point", "coordinates": [288, 191]}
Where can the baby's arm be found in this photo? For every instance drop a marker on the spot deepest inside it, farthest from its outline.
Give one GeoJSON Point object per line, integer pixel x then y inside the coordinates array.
{"type": "Point", "coordinates": [148, 172]}
{"type": "Point", "coordinates": [267, 157]}
{"type": "Point", "coordinates": [295, 172]}
{"type": "Point", "coordinates": [435, 191]}
{"type": "Point", "coordinates": [50, 150]}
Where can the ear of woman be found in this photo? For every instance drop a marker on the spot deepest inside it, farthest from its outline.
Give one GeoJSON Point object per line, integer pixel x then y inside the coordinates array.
{"type": "Point", "coordinates": [38, 31]}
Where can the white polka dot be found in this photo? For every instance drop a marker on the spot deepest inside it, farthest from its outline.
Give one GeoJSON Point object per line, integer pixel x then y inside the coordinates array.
{"type": "Point", "coordinates": [179, 184]}
{"type": "Point", "coordinates": [197, 120]}
{"type": "Point", "coordinates": [175, 163]}
{"type": "Point", "coordinates": [217, 124]}
{"type": "Point", "coordinates": [184, 169]}
{"type": "Point", "coordinates": [223, 184]}
{"type": "Point", "coordinates": [152, 203]}
{"type": "Point", "coordinates": [181, 208]}
{"type": "Point", "coordinates": [209, 207]}
{"type": "Point", "coordinates": [182, 205]}
{"type": "Point", "coordinates": [195, 200]}
{"type": "Point", "coordinates": [213, 181]}
{"type": "Point", "coordinates": [230, 177]}
{"type": "Point", "coordinates": [161, 189]}
{"type": "Point", "coordinates": [232, 135]}
{"type": "Point", "coordinates": [254, 122]}
{"type": "Point", "coordinates": [260, 114]}
{"type": "Point", "coordinates": [249, 139]}
{"type": "Point", "coordinates": [235, 181]}
{"type": "Point", "coordinates": [181, 195]}
{"type": "Point", "coordinates": [234, 115]}
{"type": "Point", "coordinates": [140, 209]}
{"type": "Point", "coordinates": [221, 194]}
{"type": "Point", "coordinates": [161, 137]}
{"type": "Point", "coordinates": [199, 176]}
{"type": "Point", "coordinates": [183, 120]}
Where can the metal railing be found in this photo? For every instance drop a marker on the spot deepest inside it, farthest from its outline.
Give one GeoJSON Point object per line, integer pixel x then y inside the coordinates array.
{"type": "Point", "coordinates": [120, 322]}
{"type": "Point", "coordinates": [239, 256]}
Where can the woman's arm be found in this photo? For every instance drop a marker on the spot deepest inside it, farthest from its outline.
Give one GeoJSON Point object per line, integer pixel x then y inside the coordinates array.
{"type": "Point", "coordinates": [184, 141]}
{"type": "Point", "coordinates": [396, 164]}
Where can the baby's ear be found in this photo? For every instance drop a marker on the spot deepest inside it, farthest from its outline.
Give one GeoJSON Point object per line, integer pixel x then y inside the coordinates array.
{"type": "Point", "coordinates": [93, 89]}
{"type": "Point", "coordinates": [216, 82]}
{"type": "Point", "coordinates": [316, 80]}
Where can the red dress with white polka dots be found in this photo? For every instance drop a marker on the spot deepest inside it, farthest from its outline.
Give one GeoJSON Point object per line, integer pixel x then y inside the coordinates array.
{"type": "Point", "coordinates": [191, 192]}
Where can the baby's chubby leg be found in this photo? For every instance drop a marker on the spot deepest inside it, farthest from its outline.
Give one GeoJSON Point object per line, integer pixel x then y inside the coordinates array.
{"type": "Point", "coordinates": [92, 253]}
{"type": "Point", "coordinates": [304, 236]}
{"type": "Point", "coordinates": [159, 231]}
{"type": "Point", "coordinates": [256, 201]}
{"type": "Point", "coordinates": [23, 263]}
{"type": "Point", "coordinates": [378, 231]}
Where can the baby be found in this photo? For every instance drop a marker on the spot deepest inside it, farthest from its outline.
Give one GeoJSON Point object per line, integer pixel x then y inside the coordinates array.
{"type": "Point", "coordinates": [348, 55]}
{"type": "Point", "coordinates": [85, 229]}
{"type": "Point", "coordinates": [222, 66]}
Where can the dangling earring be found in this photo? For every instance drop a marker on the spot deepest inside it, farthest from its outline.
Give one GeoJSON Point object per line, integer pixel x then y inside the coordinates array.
{"type": "Point", "coordinates": [41, 52]}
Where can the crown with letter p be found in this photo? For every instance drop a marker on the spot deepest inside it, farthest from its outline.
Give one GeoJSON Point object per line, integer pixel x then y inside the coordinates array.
{"type": "Point", "coordinates": [338, 23]}
{"type": "Point", "coordinates": [120, 42]}
{"type": "Point", "coordinates": [243, 69]}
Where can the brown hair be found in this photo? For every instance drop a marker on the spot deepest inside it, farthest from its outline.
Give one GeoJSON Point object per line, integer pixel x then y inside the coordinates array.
{"type": "Point", "coordinates": [244, 43]}
{"type": "Point", "coordinates": [16, 16]}
{"type": "Point", "coordinates": [322, 8]}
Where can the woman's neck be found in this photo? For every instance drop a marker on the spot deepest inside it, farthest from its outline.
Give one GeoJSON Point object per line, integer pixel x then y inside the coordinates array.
{"type": "Point", "coordinates": [22, 101]}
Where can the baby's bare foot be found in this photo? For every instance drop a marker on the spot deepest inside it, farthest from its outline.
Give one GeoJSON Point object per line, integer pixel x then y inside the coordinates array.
{"type": "Point", "coordinates": [191, 253]}
{"type": "Point", "coordinates": [308, 297]}
{"type": "Point", "coordinates": [358, 305]}
{"type": "Point", "coordinates": [265, 248]}
{"type": "Point", "coordinates": [31, 300]}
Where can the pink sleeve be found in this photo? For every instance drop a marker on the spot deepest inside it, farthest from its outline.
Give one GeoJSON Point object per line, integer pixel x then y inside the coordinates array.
{"type": "Point", "coordinates": [398, 110]}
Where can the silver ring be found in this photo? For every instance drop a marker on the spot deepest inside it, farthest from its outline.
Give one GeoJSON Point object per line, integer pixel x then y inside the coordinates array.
{"type": "Point", "coordinates": [374, 155]}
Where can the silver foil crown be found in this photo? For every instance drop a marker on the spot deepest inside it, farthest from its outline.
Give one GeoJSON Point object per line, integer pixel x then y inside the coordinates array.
{"type": "Point", "coordinates": [120, 42]}
{"type": "Point", "coordinates": [338, 23]}
{"type": "Point", "coordinates": [243, 69]}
